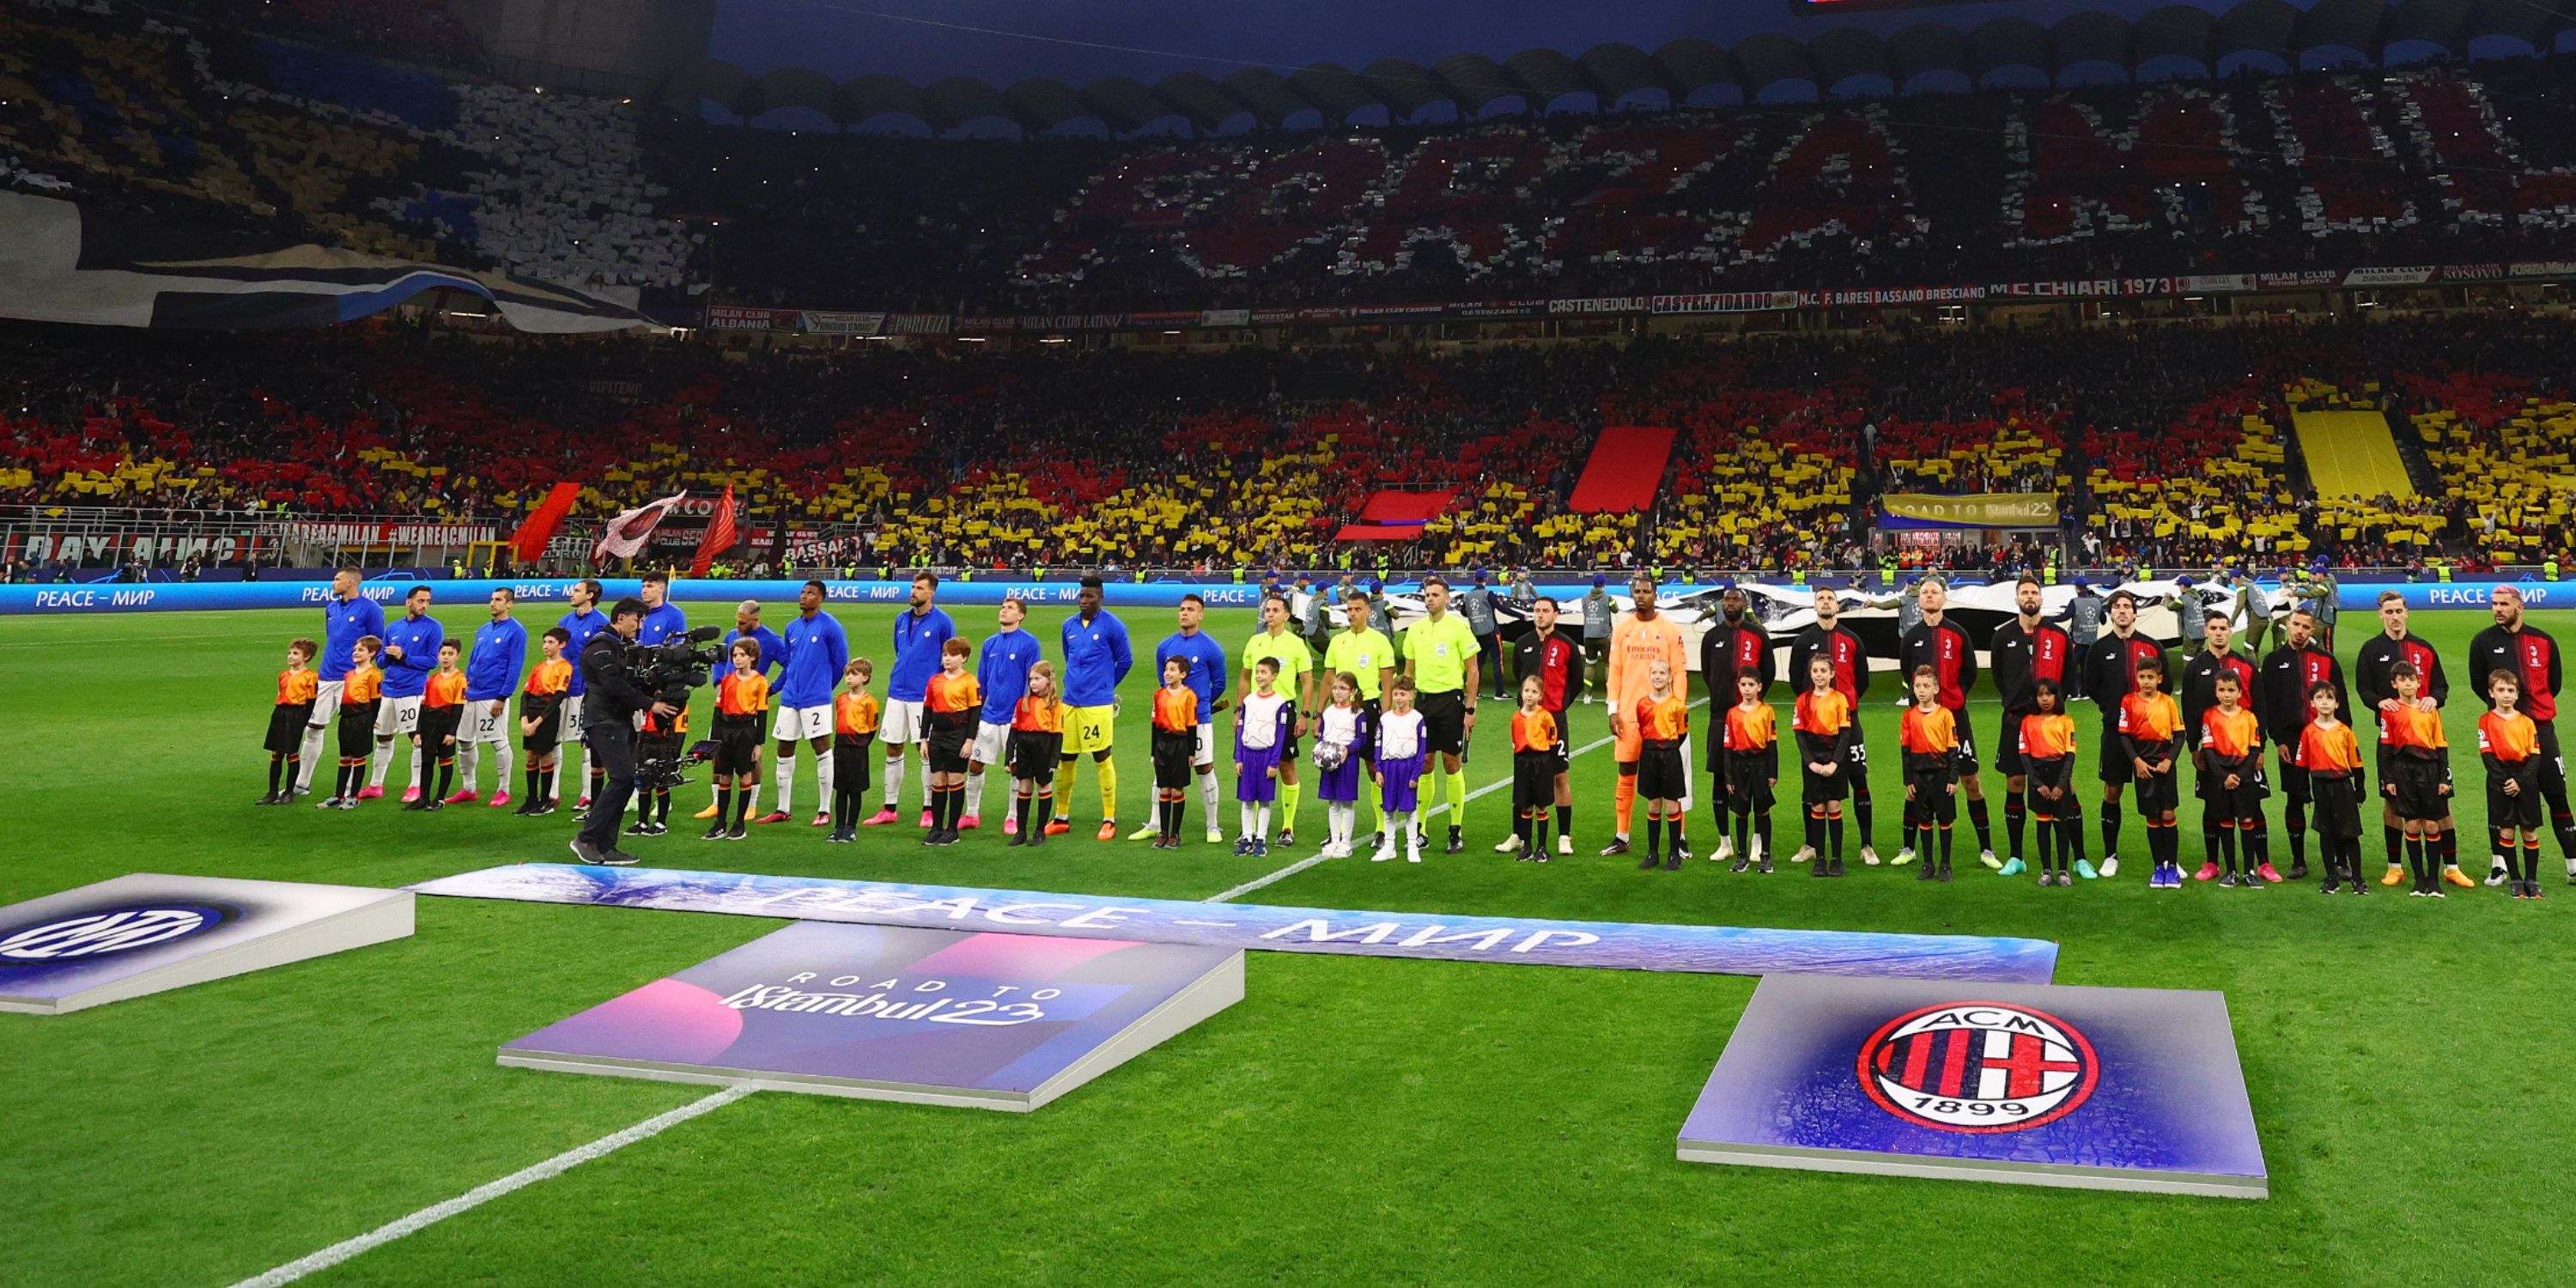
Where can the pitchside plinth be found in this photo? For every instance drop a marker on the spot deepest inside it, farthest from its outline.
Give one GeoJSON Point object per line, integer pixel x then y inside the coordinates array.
{"type": "Point", "coordinates": [941, 1017]}
{"type": "Point", "coordinates": [2097, 1088]}
{"type": "Point", "coordinates": [146, 933]}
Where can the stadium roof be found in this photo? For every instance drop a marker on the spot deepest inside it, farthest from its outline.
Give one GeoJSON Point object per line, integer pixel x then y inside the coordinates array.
{"type": "Point", "coordinates": [2175, 40]}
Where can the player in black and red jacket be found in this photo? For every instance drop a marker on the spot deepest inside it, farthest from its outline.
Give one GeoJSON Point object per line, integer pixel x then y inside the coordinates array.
{"type": "Point", "coordinates": [2281, 691]}
{"type": "Point", "coordinates": [1556, 659]}
{"type": "Point", "coordinates": [2110, 675]}
{"type": "Point", "coordinates": [2530, 654]}
{"type": "Point", "coordinates": [1943, 646]}
{"type": "Point", "coordinates": [2024, 651]}
{"type": "Point", "coordinates": [1835, 642]}
{"type": "Point", "coordinates": [2378, 693]}
{"type": "Point", "coordinates": [1734, 645]}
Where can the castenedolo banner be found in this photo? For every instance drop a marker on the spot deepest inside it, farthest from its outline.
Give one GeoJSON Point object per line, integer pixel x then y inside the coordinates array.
{"type": "Point", "coordinates": [1984, 510]}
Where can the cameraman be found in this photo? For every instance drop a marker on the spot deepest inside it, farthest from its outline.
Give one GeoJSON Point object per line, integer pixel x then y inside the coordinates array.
{"type": "Point", "coordinates": [610, 703]}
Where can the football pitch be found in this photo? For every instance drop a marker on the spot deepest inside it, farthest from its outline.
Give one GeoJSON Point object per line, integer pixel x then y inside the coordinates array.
{"type": "Point", "coordinates": [1353, 1119]}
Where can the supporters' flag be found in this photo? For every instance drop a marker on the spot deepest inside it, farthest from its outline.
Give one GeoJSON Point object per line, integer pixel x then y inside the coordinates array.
{"type": "Point", "coordinates": [626, 534]}
{"type": "Point", "coordinates": [66, 262]}
{"type": "Point", "coordinates": [719, 537]}
{"type": "Point", "coordinates": [529, 542]}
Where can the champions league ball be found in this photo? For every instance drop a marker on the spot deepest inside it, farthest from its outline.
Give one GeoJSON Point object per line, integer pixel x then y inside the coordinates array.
{"type": "Point", "coordinates": [1329, 755]}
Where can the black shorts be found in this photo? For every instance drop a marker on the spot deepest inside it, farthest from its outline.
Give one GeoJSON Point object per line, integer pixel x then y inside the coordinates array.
{"type": "Point", "coordinates": [671, 747]}
{"type": "Point", "coordinates": [2116, 766]}
{"type": "Point", "coordinates": [2162, 793]}
{"type": "Point", "coordinates": [1444, 722]}
{"type": "Point", "coordinates": [2338, 801]}
{"type": "Point", "coordinates": [2522, 811]}
{"type": "Point", "coordinates": [2009, 760]}
{"type": "Point", "coordinates": [2294, 777]}
{"type": "Point", "coordinates": [358, 728]}
{"type": "Point", "coordinates": [850, 762]}
{"type": "Point", "coordinates": [2056, 772]}
{"type": "Point", "coordinates": [1564, 748]}
{"type": "Point", "coordinates": [1661, 773]}
{"type": "Point", "coordinates": [2553, 768]}
{"type": "Point", "coordinates": [945, 750]}
{"type": "Point", "coordinates": [1534, 779]}
{"type": "Point", "coordinates": [738, 750]}
{"type": "Point", "coordinates": [286, 725]}
{"type": "Point", "coordinates": [1748, 784]}
{"type": "Point", "coordinates": [438, 725]}
{"type": "Point", "coordinates": [1823, 789]}
{"type": "Point", "coordinates": [549, 731]}
{"type": "Point", "coordinates": [1175, 757]}
{"type": "Point", "coordinates": [1033, 755]}
{"type": "Point", "coordinates": [2417, 783]}
{"type": "Point", "coordinates": [1932, 800]}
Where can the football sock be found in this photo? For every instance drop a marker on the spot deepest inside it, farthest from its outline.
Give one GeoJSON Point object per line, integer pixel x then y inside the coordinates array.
{"type": "Point", "coordinates": [1654, 834]}
{"type": "Point", "coordinates": [1565, 820]}
{"type": "Point", "coordinates": [894, 781]}
{"type": "Point", "coordinates": [1289, 795]}
{"type": "Point", "coordinates": [1108, 788]}
{"type": "Point", "coordinates": [1978, 819]}
{"type": "Point", "coordinates": [2446, 844]}
{"type": "Point", "coordinates": [724, 805]}
{"type": "Point", "coordinates": [2297, 827]}
{"type": "Point", "coordinates": [308, 752]}
{"type": "Point", "coordinates": [501, 762]}
{"type": "Point", "coordinates": [2209, 840]}
{"type": "Point", "coordinates": [1861, 812]}
{"type": "Point", "coordinates": [536, 783]}
{"type": "Point", "coordinates": [974, 787]}
{"type": "Point", "coordinates": [2258, 842]}
{"type": "Point", "coordinates": [823, 776]}
{"type": "Point", "coordinates": [549, 785]}
{"type": "Point", "coordinates": [2047, 844]}
{"type": "Point", "coordinates": [2016, 812]}
{"type": "Point", "coordinates": [782, 776]}
{"type": "Point", "coordinates": [1834, 836]}
{"type": "Point", "coordinates": [2396, 839]}
{"type": "Point", "coordinates": [1458, 795]}
{"type": "Point", "coordinates": [1945, 830]}
{"type": "Point", "coordinates": [2225, 837]}
{"type": "Point", "coordinates": [446, 775]}
{"type": "Point", "coordinates": [465, 761]}
{"type": "Point", "coordinates": [2110, 827]}
{"type": "Point", "coordinates": [1623, 803]}
{"type": "Point", "coordinates": [2418, 861]}
{"type": "Point", "coordinates": [1674, 825]}
{"type": "Point", "coordinates": [2531, 859]}
{"type": "Point", "coordinates": [1261, 821]}
{"type": "Point", "coordinates": [1244, 830]}
{"type": "Point", "coordinates": [380, 762]}
{"type": "Point", "coordinates": [1208, 797]}
{"type": "Point", "coordinates": [1816, 834]}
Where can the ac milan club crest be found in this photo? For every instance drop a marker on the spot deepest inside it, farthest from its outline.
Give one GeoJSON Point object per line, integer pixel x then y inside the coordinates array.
{"type": "Point", "coordinates": [1978, 1067]}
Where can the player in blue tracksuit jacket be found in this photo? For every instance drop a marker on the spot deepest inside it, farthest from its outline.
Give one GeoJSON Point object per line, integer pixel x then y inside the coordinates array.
{"type": "Point", "coordinates": [662, 618]}
{"type": "Point", "coordinates": [493, 667]}
{"type": "Point", "coordinates": [814, 651]}
{"type": "Point", "coordinates": [584, 621]}
{"type": "Point", "coordinates": [1002, 673]}
{"type": "Point", "coordinates": [1096, 662]}
{"type": "Point", "coordinates": [920, 631]}
{"type": "Point", "coordinates": [1206, 677]}
{"type": "Point", "coordinates": [347, 617]}
{"type": "Point", "coordinates": [410, 654]}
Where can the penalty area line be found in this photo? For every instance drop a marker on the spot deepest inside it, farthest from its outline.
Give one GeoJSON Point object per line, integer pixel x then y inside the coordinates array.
{"type": "Point", "coordinates": [1427, 815]}
{"type": "Point", "coordinates": [485, 1193]}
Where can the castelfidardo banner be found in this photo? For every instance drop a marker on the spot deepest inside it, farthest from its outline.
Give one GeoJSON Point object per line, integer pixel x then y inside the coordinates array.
{"type": "Point", "coordinates": [1984, 510]}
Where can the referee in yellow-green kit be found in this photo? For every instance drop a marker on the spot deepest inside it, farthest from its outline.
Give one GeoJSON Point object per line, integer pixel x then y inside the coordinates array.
{"type": "Point", "coordinates": [1440, 657]}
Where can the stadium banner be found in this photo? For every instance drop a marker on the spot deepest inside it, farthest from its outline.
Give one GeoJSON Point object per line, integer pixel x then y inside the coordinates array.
{"type": "Point", "coordinates": [1985, 510]}
{"type": "Point", "coordinates": [104, 552]}
{"type": "Point", "coordinates": [147, 933]}
{"type": "Point", "coordinates": [945, 1017]}
{"type": "Point", "coordinates": [1719, 950]}
{"type": "Point", "coordinates": [832, 322]}
{"type": "Point", "coordinates": [1225, 317]}
{"type": "Point", "coordinates": [2093, 1088]}
{"type": "Point", "coordinates": [67, 262]}
{"type": "Point", "coordinates": [2390, 276]}
{"type": "Point", "coordinates": [731, 317]}
{"type": "Point", "coordinates": [2542, 268]}
{"type": "Point", "coordinates": [328, 533]}
{"type": "Point", "coordinates": [2473, 272]}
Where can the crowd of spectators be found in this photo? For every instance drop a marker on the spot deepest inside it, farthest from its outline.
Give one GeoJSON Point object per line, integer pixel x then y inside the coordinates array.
{"type": "Point", "coordinates": [290, 120]}
{"type": "Point", "coordinates": [2163, 445]}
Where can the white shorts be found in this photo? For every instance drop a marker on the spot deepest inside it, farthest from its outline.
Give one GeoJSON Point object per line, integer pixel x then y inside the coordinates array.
{"type": "Point", "coordinates": [481, 725]}
{"type": "Point", "coordinates": [904, 722]}
{"type": "Point", "coordinates": [568, 708]}
{"type": "Point", "coordinates": [1203, 752]}
{"type": "Point", "coordinates": [801, 724]}
{"type": "Point", "coordinates": [397, 717]}
{"type": "Point", "coordinates": [326, 703]}
{"type": "Point", "coordinates": [992, 743]}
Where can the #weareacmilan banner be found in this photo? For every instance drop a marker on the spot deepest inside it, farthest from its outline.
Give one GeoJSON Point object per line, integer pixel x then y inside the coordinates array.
{"type": "Point", "coordinates": [391, 534]}
{"type": "Point", "coordinates": [1987, 510]}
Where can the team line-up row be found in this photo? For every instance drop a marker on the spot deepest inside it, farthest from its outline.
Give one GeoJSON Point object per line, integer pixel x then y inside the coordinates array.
{"type": "Point", "coordinates": [1385, 711]}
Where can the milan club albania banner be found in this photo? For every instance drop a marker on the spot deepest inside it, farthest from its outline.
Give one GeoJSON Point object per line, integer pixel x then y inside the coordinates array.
{"type": "Point", "coordinates": [147, 932]}
{"type": "Point", "coordinates": [948, 1017]}
{"type": "Point", "coordinates": [1724, 950]}
{"type": "Point", "coordinates": [2096, 1088]}
{"type": "Point", "coordinates": [1985, 510]}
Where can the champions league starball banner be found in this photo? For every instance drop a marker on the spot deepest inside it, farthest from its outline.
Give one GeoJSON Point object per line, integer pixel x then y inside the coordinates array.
{"type": "Point", "coordinates": [148, 932]}
{"type": "Point", "coordinates": [895, 1013]}
{"type": "Point", "coordinates": [1723, 950]}
{"type": "Point", "coordinates": [2098, 1088]}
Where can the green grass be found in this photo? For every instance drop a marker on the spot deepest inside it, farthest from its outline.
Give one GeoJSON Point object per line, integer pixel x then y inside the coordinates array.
{"type": "Point", "coordinates": [1353, 1118]}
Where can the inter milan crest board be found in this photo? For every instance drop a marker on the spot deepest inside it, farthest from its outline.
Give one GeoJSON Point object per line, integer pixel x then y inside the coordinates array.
{"type": "Point", "coordinates": [2103, 1088]}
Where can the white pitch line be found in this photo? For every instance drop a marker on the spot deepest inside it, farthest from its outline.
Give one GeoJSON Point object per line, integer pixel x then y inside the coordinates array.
{"type": "Point", "coordinates": [481, 1194]}
{"type": "Point", "coordinates": [1427, 815]}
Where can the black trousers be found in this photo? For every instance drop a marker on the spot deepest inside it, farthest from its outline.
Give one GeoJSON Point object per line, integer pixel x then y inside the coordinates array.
{"type": "Point", "coordinates": [612, 749]}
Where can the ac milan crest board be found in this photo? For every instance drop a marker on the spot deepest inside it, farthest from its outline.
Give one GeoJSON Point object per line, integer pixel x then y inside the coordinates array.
{"type": "Point", "coordinates": [944, 1017]}
{"type": "Point", "coordinates": [2100, 1088]}
{"type": "Point", "coordinates": [146, 932]}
